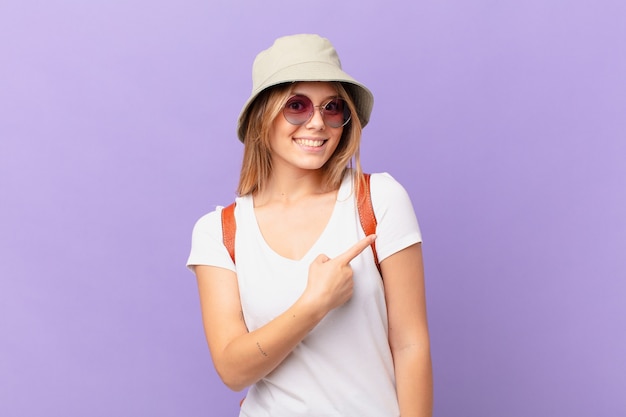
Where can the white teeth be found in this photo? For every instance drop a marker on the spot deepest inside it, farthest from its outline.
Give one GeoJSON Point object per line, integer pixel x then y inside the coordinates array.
{"type": "Point", "coordinates": [309, 142]}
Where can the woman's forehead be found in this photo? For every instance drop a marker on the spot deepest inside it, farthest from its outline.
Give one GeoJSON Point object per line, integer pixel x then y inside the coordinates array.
{"type": "Point", "coordinates": [322, 88]}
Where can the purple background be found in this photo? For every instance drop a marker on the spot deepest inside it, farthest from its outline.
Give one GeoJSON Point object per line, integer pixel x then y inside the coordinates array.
{"type": "Point", "coordinates": [506, 122]}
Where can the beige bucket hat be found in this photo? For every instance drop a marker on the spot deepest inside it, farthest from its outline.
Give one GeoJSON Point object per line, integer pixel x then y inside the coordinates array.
{"type": "Point", "coordinates": [303, 57]}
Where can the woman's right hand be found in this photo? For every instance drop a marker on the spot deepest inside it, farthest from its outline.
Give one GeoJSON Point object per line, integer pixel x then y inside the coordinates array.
{"type": "Point", "coordinates": [330, 282]}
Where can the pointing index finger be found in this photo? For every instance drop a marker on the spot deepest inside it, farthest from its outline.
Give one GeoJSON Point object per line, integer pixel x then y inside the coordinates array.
{"type": "Point", "coordinates": [355, 250]}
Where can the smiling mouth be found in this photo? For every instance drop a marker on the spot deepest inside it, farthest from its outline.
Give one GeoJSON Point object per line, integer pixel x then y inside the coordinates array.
{"type": "Point", "coordinates": [314, 143]}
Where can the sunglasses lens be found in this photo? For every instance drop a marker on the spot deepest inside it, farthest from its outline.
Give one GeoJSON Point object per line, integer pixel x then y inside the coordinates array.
{"type": "Point", "coordinates": [299, 109]}
{"type": "Point", "coordinates": [336, 113]}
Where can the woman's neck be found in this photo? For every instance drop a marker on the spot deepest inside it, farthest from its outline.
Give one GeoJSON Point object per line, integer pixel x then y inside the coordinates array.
{"type": "Point", "coordinates": [291, 188]}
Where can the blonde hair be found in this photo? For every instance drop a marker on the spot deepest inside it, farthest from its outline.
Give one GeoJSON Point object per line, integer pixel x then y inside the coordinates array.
{"type": "Point", "coordinates": [256, 167]}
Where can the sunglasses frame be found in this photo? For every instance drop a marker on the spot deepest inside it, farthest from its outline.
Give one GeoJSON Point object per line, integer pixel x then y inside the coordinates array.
{"type": "Point", "coordinates": [347, 114]}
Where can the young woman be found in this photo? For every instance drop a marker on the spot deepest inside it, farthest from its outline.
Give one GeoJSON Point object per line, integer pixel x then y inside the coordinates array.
{"type": "Point", "coordinates": [301, 315]}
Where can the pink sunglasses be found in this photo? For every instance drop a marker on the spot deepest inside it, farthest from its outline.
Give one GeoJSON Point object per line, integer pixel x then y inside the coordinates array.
{"type": "Point", "coordinates": [299, 110]}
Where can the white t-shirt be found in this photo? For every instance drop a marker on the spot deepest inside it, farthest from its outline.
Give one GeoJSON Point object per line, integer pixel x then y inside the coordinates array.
{"type": "Point", "coordinates": [343, 367]}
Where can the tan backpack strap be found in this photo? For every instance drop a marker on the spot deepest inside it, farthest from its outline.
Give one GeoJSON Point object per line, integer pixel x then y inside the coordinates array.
{"type": "Point", "coordinates": [366, 214]}
{"type": "Point", "coordinates": [229, 226]}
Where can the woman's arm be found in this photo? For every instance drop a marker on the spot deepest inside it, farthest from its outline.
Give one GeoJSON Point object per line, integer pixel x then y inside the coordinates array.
{"type": "Point", "coordinates": [403, 274]}
{"type": "Point", "coordinates": [240, 357]}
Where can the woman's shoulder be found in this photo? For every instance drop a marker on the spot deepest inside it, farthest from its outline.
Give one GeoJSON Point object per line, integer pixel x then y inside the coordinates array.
{"type": "Point", "coordinates": [388, 194]}
{"type": "Point", "coordinates": [382, 177]}
{"type": "Point", "coordinates": [213, 218]}
{"type": "Point", "coordinates": [207, 244]}
{"type": "Point", "coordinates": [383, 183]}
{"type": "Point", "coordinates": [209, 221]}
{"type": "Point", "coordinates": [397, 225]}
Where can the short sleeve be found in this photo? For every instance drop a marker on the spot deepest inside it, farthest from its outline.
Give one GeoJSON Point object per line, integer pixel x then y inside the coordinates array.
{"type": "Point", "coordinates": [207, 247]}
{"type": "Point", "coordinates": [397, 226]}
